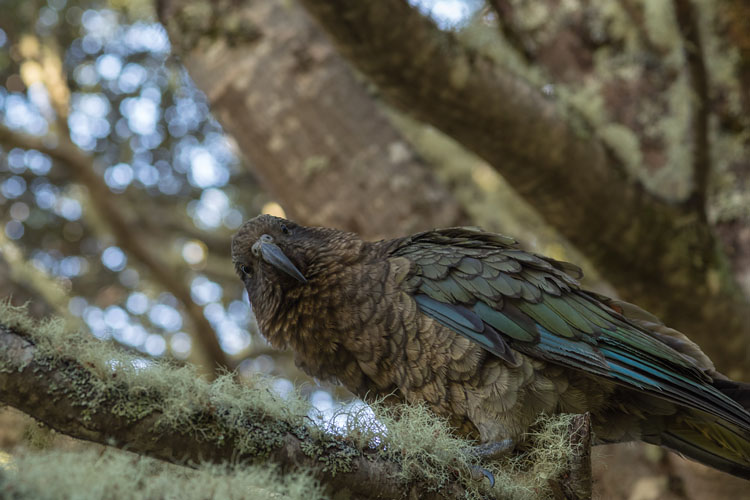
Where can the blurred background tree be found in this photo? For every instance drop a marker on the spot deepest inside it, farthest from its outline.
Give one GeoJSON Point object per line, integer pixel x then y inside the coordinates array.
{"type": "Point", "coordinates": [612, 134]}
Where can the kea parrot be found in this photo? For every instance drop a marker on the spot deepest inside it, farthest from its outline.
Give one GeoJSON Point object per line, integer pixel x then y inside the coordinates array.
{"type": "Point", "coordinates": [488, 336]}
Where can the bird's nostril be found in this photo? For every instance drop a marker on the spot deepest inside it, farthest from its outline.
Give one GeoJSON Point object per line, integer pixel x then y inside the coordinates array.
{"type": "Point", "coordinates": [266, 238]}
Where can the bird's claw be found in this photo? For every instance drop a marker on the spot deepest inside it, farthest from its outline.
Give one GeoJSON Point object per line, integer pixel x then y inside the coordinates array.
{"type": "Point", "coordinates": [489, 451]}
{"type": "Point", "coordinates": [479, 473]}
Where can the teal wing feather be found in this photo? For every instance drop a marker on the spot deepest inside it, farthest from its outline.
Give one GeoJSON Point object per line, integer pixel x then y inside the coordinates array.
{"type": "Point", "coordinates": [483, 286]}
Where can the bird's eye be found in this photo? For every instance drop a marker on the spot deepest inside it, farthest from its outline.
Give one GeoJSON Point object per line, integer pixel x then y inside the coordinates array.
{"type": "Point", "coordinates": [284, 229]}
{"type": "Point", "coordinates": [245, 270]}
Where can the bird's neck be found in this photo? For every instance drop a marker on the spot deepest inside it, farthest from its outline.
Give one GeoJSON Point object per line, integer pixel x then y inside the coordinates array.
{"type": "Point", "coordinates": [299, 315]}
{"type": "Point", "coordinates": [318, 320]}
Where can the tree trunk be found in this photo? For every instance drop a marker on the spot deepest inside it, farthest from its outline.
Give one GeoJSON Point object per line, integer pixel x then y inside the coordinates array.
{"type": "Point", "coordinates": [317, 139]}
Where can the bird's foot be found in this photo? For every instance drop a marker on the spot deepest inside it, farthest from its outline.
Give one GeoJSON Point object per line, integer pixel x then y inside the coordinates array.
{"type": "Point", "coordinates": [489, 451]}
{"type": "Point", "coordinates": [493, 451]}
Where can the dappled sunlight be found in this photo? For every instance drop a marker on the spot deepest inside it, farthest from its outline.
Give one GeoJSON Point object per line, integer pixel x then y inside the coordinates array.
{"type": "Point", "coordinates": [152, 137]}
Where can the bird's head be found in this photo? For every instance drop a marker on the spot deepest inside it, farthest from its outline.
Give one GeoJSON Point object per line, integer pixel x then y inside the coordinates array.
{"type": "Point", "coordinates": [268, 247]}
{"type": "Point", "coordinates": [274, 253]}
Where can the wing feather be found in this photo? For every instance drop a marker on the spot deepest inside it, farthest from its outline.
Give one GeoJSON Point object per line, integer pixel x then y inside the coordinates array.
{"type": "Point", "coordinates": [483, 286]}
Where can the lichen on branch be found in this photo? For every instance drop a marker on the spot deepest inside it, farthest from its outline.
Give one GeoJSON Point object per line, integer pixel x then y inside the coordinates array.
{"type": "Point", "coordinates": [85, 388]}
{"type": "Point", "coordinates": [91, 475]}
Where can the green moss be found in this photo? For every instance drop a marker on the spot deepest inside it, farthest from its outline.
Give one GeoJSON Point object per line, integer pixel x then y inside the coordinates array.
{"type": "Point", "coordinates": [527, 476]}
{"type": "Point", "coordinates": [486, 39]}
{"type": "Point", "coordinates": [674, 127]}
{"type": "Point", "coordinates": [661, 24]}
{"type": "Point", "coordinates": [585, 105]}
{"type": "Point", "coordinates": [616, 23]}
{"type": "Point", "coordinates": [329, 451]}
{"type": "Point", "coordinates": [314, 164]}
{"type": "Point", "coordinates": [411, 436]}
{"type": "Point", "coordinates": [624, 143]}
{"type": "Point", "coordinates": [38, 436]}
{"type": "Point", "coordinates": [426, 448]}
{"type": "Point", "coordinates": [90, 474]}
{"type": "Point", "coordinates": [220, 411]}
{"type": "Point", "coordinates": [428, 451]}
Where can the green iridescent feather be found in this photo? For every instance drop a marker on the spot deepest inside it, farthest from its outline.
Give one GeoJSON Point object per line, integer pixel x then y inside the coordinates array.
{"type": "Point", "coordinates": [485, 287]}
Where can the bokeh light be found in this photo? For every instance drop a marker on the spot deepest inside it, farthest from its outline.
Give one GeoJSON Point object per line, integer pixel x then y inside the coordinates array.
{"type": "Point", "coordinates": [149, 135]}
{"type": "Point", "coordinates": [114, 258]}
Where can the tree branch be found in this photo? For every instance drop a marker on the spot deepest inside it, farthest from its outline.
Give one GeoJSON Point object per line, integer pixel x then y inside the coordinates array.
{"type": "Point", "coordinates": [647, 248]}
{"type": "Point", "coordinates": [74, 399]}
{"type": "Point", "coordinates": [484, 107]}
{"type": "Point", "coordinates": [577, 484]}
{"type": "Point", "coordinates": [82, 167]}
{"type": "Point", "coordinates": [78, 386]}
{"type": "Point", "coordinates": [693, 49]}
{"type": "Point", "coordinates": [516, 38]}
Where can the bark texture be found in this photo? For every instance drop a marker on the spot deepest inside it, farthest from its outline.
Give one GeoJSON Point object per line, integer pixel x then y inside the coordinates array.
{"type": "Point", "coordinates": [577, 484]}
{"type": "Point", "coordinates": [657, 254]}
{"type": "Point", "coordinates": [317, 139]}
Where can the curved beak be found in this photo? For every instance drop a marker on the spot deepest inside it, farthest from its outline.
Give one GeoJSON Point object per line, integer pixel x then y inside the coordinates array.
{"type": "Point", "coordinates": [273, 255]}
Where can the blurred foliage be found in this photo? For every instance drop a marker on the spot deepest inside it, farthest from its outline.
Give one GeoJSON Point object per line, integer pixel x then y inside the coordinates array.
{"type": "Point", "coordinates": [86, 74]}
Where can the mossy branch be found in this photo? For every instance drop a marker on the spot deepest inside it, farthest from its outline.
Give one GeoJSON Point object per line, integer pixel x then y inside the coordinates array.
{"type": "Point", "coordinates": [170, 415]}
{"type": "Point", "coordinates": [82, 387]}
{"type": "Point", "coordinates": [693, 47]}
{"type": "Point", "coordinates": [93, 474]}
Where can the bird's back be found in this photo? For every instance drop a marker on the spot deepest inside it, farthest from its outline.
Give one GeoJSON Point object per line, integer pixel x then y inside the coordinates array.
{"type": "Point", "coordinates": [639, 379]}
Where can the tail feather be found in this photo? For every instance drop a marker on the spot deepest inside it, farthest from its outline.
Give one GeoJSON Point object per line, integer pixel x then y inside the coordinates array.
{"type": "Point", "coordinates": [710, 441]}
{"type": "Point", "coordinates": [738, 391]}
